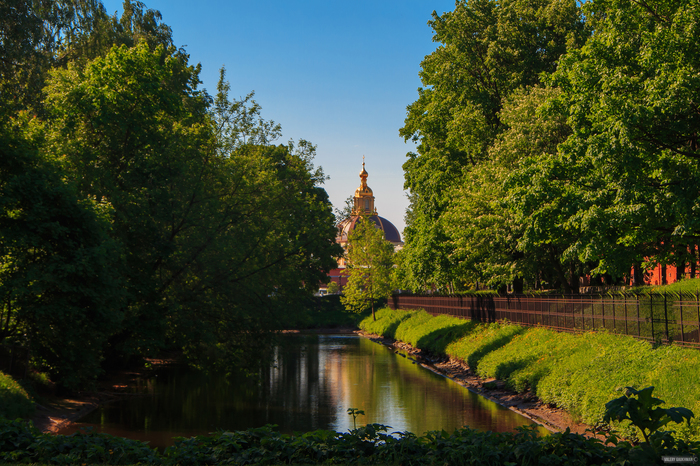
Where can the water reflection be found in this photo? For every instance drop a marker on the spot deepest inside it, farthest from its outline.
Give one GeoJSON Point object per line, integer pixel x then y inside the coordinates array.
{"type": "Point", "coordinates": [309, 384]}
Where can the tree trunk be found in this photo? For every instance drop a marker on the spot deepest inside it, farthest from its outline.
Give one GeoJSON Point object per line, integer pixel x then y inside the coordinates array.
{"type": "Point", "coordinates": [680, 270]}
{"type": "Point", "coordinates": [693, 261]}
{"type": "Point", "coordinates": [637, 276]}
{"type": "Point", "coordinates": [518, 285]}
{"type": "Point", "coordinates": [574, 278]}
{"type": "Point", "coordinates": [560, 272]}
{"type": "Point", "coordinates": [663, 275]}
{"type": "Point", "coordinates": [373, 317]}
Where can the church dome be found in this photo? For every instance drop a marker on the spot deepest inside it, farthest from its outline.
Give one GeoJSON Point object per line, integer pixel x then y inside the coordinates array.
{"type": "Point", "coordinates": [363, 206]}
{"type": "Point", "coordinates": [391, 233]}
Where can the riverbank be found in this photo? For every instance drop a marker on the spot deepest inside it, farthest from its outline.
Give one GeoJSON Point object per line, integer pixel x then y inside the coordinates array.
{"type": "Point", "coordinates": [526, 404]}
{"type": "Point", "coordinates": [577, 373]}
{"type": "Point", "coordinates": [57, 413]}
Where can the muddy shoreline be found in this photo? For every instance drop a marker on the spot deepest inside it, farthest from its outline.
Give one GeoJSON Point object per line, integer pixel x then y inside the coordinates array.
{"type": "Point", "coordinates": [526, 404]}
{"type": "Point", "coordinates": [60, 412]}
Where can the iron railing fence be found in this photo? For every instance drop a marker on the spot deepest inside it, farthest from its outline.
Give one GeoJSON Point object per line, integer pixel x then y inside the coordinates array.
{"type": "Point", "coordinates": [663, 318]}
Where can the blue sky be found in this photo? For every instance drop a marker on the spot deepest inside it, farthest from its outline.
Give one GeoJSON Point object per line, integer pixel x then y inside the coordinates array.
{"type": "Point", "coordinates": [339, 74]}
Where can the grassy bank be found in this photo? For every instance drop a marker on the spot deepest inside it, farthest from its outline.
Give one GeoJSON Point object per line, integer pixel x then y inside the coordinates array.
{"type": "Point", "coordinates": [14, 400]}
{"type": "Point", "coordinates": [578, 372]}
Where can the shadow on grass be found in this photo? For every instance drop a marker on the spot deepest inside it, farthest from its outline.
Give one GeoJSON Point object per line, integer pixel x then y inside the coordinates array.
{"type": "Point", "coordinates": [493, 345]}
{"type": "Point", "coordinates": [437, 340]}
{"type": "Point", "coordinates": [505, 369]}
{"type": "Point", "coordinates": [391, 329]}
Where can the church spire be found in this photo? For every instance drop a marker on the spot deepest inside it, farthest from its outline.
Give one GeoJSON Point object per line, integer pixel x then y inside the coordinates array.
{"type": "Point", "coordinates": [364, 198]}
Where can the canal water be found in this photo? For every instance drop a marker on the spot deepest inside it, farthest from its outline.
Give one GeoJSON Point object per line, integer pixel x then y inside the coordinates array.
{"type": "Point", "coordinates": [310, 384]}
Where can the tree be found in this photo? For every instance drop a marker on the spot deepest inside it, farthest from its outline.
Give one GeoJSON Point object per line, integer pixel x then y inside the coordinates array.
{"type": "Point", "coordinates": [488, 49]}
{"type": "Point", "coordinates": [213, 235]}
{"type": "Point", "coordinates": [632, 96]}
{"type": "Point", "coordinates": [60, 290]}
{"type": "Point", "coordinates": [220, 236]}
{"type": "Point", "coordinates": [333, 287]}
{"type": "Point", "coordinates": [369, 267]}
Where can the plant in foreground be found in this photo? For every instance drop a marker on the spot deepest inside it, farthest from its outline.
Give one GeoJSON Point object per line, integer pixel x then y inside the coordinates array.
{"type": "Point", "coordinates": [645, 412]}
{"type": "Point", "coordinates": [354, 412]}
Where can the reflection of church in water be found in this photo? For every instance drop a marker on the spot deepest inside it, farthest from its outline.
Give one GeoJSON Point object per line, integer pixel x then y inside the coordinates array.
{"type": "Point", "coordinates": [363, 206]}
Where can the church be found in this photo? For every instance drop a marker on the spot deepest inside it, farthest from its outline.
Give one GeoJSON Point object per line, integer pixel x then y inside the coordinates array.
{"type": "Point", "coordinates": [363, 205]}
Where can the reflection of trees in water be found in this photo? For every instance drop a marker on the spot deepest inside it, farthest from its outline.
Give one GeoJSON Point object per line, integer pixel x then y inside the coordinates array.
{"type": "Point", "coordinates": [394, 391]}
{"type": "Point", "coordinates": [310, 384]}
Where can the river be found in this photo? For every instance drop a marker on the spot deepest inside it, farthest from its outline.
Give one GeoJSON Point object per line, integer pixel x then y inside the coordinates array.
{"type": "Point", "coordinates": [310, 384]}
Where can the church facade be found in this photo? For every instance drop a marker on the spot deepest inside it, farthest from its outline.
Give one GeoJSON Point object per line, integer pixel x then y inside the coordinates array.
{"type": "Point", "coordinates": [363, 206]}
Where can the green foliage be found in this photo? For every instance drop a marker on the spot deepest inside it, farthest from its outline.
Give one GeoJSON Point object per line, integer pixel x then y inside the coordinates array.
{"type": "Point", "coordinates": [386, 323]}
{"type": "Point", "coordinates": [136, 212]}
{"type": "Point", "coordinates": [20, 442]}
{"type": "Point", "coordinates": [644, 411]}
{"type": "Point", "coordinates": [369, 267]}
{"type": "Point", "coordinates": [323, 312]}
{"type": "Point", "coordinates": [333, 288]}
{"type": "Point", "coordinates": [645, 414]}
{"type": "Point", "coordinates": [14, 400]}
{"type": "Point", "coordinates": [685, 286]}
{"type": "Point", "coordinates": [548, 175]}
{"type": "Point", "coordinates": [367, 445]}
{"type": "Point", "coordinates": [58, 286]}
{"type": "Point", "coordinates": [488, 49]}
{"type": "Point", "coordinates": [485, 339]}
{"type": "Point", "coordinates": [354, 412]}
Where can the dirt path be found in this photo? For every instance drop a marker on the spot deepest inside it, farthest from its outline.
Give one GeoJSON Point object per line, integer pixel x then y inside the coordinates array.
{"type": "Point", "coordinates": [526, 404]}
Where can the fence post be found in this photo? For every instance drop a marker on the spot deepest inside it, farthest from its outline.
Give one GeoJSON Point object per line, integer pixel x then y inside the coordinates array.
{"type": "Point", "coordinates": [697, 302]}
{"type": "Point", "coordinates": [639, 324]}
{"type": "Point", "coordinates": [666, 317]}
{"type": "Point", "coordinates": [626, 332]}
{"type": "Point", "coordinates": [651, 313]}
{"type": "Point", "coordinates": [681, 311]}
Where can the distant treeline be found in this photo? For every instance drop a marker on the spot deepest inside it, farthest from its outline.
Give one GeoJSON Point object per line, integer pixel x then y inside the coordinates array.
{"type": "Point", "coordinates": [555, 141]}
{"type": "Point", "coordinates": [137, 212]}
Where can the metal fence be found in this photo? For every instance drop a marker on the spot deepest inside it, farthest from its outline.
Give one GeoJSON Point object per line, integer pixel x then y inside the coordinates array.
{"type": "Point", "coordinates": [663, 318]}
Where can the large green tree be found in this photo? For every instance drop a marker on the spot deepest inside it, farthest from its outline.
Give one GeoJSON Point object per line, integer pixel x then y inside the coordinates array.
{"type": "Point", "coordinates": [133, 131]}
{"type": "Point", "coordinates": [219, 235]}
{"type": "Point", "coordinates": [631, 93]}
{"type": "Point", "coordinates": [58, 290]}
{"type": "Point", "coordinates": [487, 50]}
{"type": "Point", "coordinates": [369, 267]}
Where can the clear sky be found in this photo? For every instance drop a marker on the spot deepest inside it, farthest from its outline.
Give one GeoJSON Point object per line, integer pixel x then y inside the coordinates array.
{"type": "Point", "coordinates": [339, 74]}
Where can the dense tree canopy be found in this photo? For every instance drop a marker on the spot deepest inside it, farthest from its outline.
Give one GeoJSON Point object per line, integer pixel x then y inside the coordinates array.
{"type": "Point", "coordinates": [487, 50]}
{"type": "Point", "coordinates": [138, 213]}
{"type": "Point", "coordinates": [556, 142]}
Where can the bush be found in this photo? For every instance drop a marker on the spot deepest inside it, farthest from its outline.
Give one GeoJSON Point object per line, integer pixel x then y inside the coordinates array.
{"type": "Point", "coordinates": [14, 400]}
{"type": "Point", "coordinates": [20, 442]}
{"type": "Point", "coordinates": [369, 445]}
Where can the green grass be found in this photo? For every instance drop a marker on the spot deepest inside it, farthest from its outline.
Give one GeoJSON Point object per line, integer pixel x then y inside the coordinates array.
{"type": "Point", "coordinates": [687, 285]}
{"type": "Point", "coordinates": [578, 372]}
{"type": "Point", "coordinates": [14, 400]}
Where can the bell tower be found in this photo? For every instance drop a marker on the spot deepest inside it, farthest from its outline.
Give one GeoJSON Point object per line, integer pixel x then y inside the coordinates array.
{"type": "Point", "coordinates": [364, 198]}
